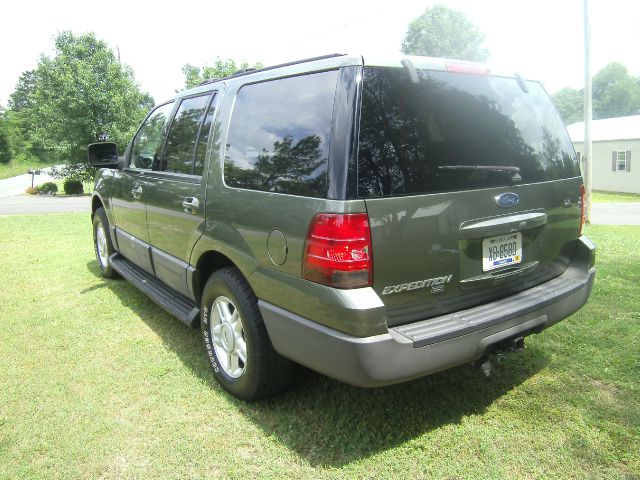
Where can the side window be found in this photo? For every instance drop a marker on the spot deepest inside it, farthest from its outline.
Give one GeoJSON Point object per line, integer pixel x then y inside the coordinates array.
{"type": "Point", "coordinates": [278, 137]}
{"type": "Point", "coordinates": [203, 139]}
{"type": "Point", "coordinates": [146, 149]}
{"type": "Point", "coordinates": [182, 137]}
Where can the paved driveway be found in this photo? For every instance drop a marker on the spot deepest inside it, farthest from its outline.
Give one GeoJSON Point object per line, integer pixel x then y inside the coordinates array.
{"type": "Point", "coordinates": [20, 204]}
{"type": "Point", "coordinates": [615, 214]}
{"type": "Point", "coordinates": [17, 185]}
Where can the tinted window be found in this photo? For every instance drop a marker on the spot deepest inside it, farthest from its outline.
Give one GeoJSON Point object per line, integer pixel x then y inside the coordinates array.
{"type": "Point", "coordinates": [201, 148]}
{"type": "Point", "coordinates": [146, 150]}
{"type": "Point", "coordinates": [455, 131]}
{"type": "Point", "coordinates": [279, 135]}
{"type": "Point", "coordinates": [182, 137]}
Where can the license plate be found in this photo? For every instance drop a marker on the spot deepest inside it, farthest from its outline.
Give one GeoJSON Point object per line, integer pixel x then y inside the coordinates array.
{"type": "Point", "coordinates": [501, 251]}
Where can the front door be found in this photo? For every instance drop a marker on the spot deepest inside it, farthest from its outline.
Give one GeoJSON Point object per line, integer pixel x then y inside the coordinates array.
{"type": "Point", "coordinates": [130, 191]}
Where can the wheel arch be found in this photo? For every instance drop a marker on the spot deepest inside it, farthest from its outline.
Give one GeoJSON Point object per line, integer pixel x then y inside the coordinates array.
{"type": "Point", "coordinates": [96, 203]}
{"type": "Point", "coordinates": [207, 263]}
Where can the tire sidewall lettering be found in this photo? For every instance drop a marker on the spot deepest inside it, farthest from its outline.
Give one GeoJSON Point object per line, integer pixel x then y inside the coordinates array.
{"type": "Point", "coordinates": [209, 346]}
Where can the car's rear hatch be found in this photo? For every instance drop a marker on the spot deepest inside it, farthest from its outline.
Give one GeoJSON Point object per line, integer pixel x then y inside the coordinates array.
{"type": "Point", "coordinates": [471, 185]}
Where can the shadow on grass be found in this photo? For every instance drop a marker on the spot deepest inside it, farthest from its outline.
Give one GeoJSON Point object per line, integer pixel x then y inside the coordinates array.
{"type": "Point", "coordinates": [328, 423]}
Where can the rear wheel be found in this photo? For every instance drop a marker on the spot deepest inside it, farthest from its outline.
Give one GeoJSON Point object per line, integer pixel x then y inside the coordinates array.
{"type": "Point", "coordinates": [240, 352]}
{"type": "Point", "coordinates": [102, 243]}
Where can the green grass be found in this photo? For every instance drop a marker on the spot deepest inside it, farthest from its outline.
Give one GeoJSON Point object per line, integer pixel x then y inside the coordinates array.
{"type": "Point", "coordinates": [614, 197]}
{"type": "Point", "coordinates": [96, 381]}
{"type": "Point", "coordinates": [18, 167]}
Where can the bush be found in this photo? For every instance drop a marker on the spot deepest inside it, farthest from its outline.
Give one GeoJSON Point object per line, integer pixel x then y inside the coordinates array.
{"type": "Point", "coordinates": [47, 187]}
{"type": "Point", "coordinates": [78, 171]}
{"type": "Point", "coordinates": [31, 191]}
{"type": "Point", "coordinates": [73, 187]}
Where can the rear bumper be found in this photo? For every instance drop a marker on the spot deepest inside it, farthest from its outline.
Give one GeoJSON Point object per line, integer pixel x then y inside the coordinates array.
{"type": "Point", "coordinates": [425, 347]}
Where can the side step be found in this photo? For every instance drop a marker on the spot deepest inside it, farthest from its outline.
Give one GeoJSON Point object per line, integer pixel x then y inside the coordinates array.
{"type": "Point", "coordinates": [177, 305]}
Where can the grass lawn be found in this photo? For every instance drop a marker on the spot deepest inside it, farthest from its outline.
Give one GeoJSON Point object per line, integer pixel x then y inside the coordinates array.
{"type": "Point", "coordinates": [96, 381]}
{"type": "Point", "coordinates": [16, 167]}
{"type": "Point", "coordinates": [614, 197]}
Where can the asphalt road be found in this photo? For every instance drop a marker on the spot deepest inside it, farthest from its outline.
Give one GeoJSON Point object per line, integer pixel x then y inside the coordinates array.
{"type": "Point", "coordinates": [20, 204]}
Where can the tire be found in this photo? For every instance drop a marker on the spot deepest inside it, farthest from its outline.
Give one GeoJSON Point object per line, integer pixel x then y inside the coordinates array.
{"type": "Point", "coordinates": [237, 344]}
{"type": "Point", "coordinates": [102, 243]}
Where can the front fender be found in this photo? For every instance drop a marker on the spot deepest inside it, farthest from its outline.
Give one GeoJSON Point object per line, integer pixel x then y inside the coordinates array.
{"type": "Point", "coordinates": [102, 189]}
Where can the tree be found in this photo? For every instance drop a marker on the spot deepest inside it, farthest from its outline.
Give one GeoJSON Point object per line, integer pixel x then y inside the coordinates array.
{"type": "Point", "coordinates": [616, 93]}
{"type": "Point", "coordinates": [81, 95]}
{"type": "Point", "coordinates": [444, 32]}
{"type": "Point", "coordinates": [220, 69]}
{"type": "Point", "coordinates": [5, 152]}
{"type": "Point", "coordinates": [570, 104]}
{"type": "Point", "coordinates": [19, 120]}
{"type": "Point", "coordinates": [20, 99]}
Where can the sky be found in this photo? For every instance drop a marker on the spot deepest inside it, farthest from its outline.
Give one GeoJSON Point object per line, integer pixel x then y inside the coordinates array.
{"type": "Point", "coordinates": [541, 39]}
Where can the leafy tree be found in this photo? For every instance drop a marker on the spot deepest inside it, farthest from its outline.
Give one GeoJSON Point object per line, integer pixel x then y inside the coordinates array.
{"type": "Point", "coordinates": [20, 99]}
{"type": "Point", "coordinates": [570, 104]}
{"type": "Point", "coordinates": [444, 32]}
{"type": "Point", "coordinates": [5, 152]}
{"type": "Point", "coordinates": [82, 95]}
{"type": "Point", "coordinates": [616, 93]}
{"type": "Point", "coordinates": [19, 119]}
{"type": "Point", "coordinates": [220, 69]}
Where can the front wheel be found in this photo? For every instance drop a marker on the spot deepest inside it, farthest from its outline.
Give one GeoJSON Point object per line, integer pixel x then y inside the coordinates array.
{"type": "Point", "coordinates": [240, 352]}
{"type": "Point", "coordinates": [102, 243]}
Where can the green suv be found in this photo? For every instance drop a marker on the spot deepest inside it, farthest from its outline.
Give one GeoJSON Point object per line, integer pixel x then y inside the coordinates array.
{"type": "Point", "coordinates": [373, 220]}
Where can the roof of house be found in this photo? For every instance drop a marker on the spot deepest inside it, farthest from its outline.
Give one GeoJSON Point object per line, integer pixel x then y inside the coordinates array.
{"type": "Point", "coordinates": [621, 128]}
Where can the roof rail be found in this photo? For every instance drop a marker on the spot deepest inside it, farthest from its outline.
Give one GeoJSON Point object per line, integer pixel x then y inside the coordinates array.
{"type": "Point", "coordinates": [247, 71]}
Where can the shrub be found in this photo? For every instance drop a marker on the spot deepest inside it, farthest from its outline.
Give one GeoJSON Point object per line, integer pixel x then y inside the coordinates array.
{"type": "Point", "coordinates": [79, 171]}
{"type": "Point", "coordinates": [47, 187]}
{"type": "Point", "coordinates": [72, 187]}
{"type": "Point", "coordinates": [31, 191]}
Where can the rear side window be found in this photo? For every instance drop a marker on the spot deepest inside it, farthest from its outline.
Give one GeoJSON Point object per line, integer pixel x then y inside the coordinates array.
{"type": "Point", "coordinates": [182, 137]}
{"type": "Point", "coordinates": [454, 131]}
{"type": "Point", "coordinates": [278, 137]}
{"type": "Point", "coordinates": [203, 139]}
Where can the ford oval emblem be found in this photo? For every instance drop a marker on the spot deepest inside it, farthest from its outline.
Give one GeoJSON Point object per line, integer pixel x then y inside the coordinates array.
{"type": "Point", "coordinates": [506, 200]}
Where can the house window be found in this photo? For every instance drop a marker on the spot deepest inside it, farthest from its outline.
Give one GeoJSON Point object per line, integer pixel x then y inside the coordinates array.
{"type": "Point", "coordinates": [621, 160]}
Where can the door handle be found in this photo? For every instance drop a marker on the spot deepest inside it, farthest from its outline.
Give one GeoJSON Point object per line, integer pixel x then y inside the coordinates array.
{"type": "Point", "coordinates": [136, 192]}
{"type": "Point", "coordinates": [190, 205]}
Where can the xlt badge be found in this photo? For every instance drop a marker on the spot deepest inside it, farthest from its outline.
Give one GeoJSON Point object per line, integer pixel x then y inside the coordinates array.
{"type": "Point", "coordinates": [429, 282]}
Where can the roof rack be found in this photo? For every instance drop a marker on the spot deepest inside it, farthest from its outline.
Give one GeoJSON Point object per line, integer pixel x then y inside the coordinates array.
{"type": "Point", "coordinates": [247, 71]}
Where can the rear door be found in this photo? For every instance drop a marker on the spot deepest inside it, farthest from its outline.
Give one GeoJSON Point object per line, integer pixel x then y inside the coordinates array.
{"type": "Point", "coordinates": [130, 188]}
{"type": "Point", "coordinates": [471, 186]}
{"type": "Point", "coordinates": [175, 199]}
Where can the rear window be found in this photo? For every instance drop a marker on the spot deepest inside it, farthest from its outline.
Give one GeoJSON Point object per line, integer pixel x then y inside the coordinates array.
{"type": "Point", "coordinates": [278, 137]}
{"type": "Point", "coordinates": [454, 131]}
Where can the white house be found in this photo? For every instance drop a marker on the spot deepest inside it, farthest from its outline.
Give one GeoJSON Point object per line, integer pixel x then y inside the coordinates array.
{"type": "Point", "coordinates": [615, 142]}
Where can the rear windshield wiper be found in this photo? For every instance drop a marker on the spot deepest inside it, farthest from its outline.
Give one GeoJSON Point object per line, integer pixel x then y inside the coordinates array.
{"type": "Point", "coordinates": [513, 171]}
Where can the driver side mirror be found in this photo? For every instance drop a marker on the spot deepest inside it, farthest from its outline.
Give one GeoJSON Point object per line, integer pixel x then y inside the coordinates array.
{"type": "Point", "coordinates": [103, 155]}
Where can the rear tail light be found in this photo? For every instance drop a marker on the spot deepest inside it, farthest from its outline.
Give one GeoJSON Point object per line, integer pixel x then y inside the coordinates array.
{"type": "Point", "coordinates": [583, 209]}
{"type": "Point", "coordinates": [337, 251]}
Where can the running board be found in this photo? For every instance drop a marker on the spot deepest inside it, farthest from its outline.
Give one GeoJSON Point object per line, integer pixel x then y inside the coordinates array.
{"type": "Point", "coordinates": [177, 305]}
